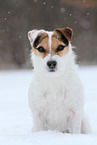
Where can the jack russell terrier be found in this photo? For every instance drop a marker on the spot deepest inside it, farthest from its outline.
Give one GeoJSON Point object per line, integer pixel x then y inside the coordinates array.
{"type": "Point", "coordinates": [56, 95]}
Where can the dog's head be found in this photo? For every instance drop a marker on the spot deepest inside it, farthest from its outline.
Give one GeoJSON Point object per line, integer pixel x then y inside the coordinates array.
{"type": "Point", "coordinates": [50, 50]}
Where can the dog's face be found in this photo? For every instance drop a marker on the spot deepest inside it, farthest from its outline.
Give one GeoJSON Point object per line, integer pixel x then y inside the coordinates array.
{"type": "Point", "coordinates": [50, 50]}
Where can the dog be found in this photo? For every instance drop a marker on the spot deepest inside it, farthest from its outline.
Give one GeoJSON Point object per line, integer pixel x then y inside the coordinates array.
{"type": "Point", "coordinates": [56, 94]}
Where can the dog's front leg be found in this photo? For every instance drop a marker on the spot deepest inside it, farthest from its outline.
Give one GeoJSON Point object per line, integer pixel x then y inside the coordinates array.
{"type": "Point", "coordinates": [39, 123]}
{"type": "Point", "coordinates": [75, 123]}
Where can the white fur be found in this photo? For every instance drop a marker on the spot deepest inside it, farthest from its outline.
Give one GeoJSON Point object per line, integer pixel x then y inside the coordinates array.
{"type": "Point", "coordinates": [33, 34]}
{"type": "Point", "coordinates": [50, 42]}
{"type": "Point", "coordinates": [56, 99]}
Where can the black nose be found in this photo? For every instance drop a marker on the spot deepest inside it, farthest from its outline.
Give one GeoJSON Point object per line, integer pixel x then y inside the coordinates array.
{"type": "Point", "coordinates": [51, 64]}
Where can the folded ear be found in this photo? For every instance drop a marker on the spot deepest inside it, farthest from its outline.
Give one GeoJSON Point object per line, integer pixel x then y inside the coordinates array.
{"type": "Point", "coordinates": [32, 35]}
{"type": "Point", "coordinates": [67, 32]}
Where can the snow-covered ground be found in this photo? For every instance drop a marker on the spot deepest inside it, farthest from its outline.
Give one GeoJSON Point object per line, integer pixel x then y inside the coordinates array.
{"type": "Point", "coordinates": [15, 116]}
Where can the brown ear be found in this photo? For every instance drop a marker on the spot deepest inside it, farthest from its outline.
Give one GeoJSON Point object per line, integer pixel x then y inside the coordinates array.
{"type": "Point", "coordinates": [67, 32]}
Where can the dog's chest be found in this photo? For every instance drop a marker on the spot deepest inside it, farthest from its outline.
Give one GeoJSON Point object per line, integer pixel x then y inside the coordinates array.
{"type": "Point", "coordinates": [53, 105]}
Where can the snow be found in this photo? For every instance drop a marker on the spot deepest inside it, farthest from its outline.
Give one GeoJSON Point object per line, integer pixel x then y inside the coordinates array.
{"type": "Point", "coordinates": [52, 7]}
{"type": "Point", "coordinates": [43, 3]}
{"type": "Point", "coordinates": [62, 10]}
{"type": "Point", "coordinates": [16, 119]}
{"type": "Point", "coordinates": [84, 1]}
{"type": "Point", "coordinates": [35, 1]}
{"type": "Point", "coordinates": [75, 22]}
{"type": "Point", "coordinates": [9, 12]}
{"type": "Point", "coordinates": [88, 13]}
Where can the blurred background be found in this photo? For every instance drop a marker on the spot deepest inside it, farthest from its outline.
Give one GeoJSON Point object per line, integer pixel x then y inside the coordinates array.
{"type": "Point", "coordinates": [17, 17]}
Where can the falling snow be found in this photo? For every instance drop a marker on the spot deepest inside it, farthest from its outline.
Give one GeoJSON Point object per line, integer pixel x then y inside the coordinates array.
{"type": "Point", "coordinates": [84, 1]}
{"type": "Point", "coordinates": [75, 22]}
{"type": "Point", "coordinates": [52, 7]}
{"type": "Point", "coordinates": [1, 41]}
{"type": "Point", "coordinates": [20, 36]}
{"type": "Point", "coordinates": [43, 3]}
{"type": "Point", "coordinates": [88, 13]}
{"type": "Point", "coordinates": [35, 1]}
{"type": "Point", "coordinates": [8, 12]}
{"type": "Point", "coordinates": [62, 10]}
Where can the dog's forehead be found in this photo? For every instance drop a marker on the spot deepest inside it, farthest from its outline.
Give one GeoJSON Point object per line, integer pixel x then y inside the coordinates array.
{"type": "Point", "coordinates": [48, 36]}
{"type": "Point", "coordinates": [43, 37]}
{"type": "Point", "coordinates": [51, 39]}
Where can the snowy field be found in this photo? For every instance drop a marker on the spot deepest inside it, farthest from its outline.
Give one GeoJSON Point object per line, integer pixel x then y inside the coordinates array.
{"type": "Point", "coordinates": [15, 116]}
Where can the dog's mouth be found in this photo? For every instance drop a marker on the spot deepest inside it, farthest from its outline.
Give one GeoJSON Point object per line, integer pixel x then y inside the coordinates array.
{"type": "Point", "coordinates": [52, 70]}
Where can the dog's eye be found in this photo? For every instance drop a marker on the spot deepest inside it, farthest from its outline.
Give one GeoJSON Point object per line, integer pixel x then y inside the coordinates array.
{"type": "Point", "coordinates": [41, 49]}
{"type": "Point", "coordinates": [60, 48]}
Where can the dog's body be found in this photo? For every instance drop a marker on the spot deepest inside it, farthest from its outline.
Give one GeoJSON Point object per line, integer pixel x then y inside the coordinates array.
{"type": "Point", "coordinates": [56, 95]}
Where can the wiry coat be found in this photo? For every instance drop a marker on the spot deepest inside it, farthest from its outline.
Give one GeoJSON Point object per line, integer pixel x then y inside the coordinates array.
{"type": "Point", "coordinates": [56, 100]}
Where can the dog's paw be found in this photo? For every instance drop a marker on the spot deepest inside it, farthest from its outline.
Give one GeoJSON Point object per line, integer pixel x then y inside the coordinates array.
{"type": "Point", "coordinates": [37, 129]}
{"type": "Point", "coordinates": [33, 129]}
{"type": "Point", "coordinates": [85, 127]}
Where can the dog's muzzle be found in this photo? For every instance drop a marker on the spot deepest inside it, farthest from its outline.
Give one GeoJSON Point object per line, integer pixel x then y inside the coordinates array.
{"type": "Point", "coordinates": [52, 65]}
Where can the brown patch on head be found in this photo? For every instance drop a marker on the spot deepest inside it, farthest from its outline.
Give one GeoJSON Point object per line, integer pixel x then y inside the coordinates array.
{"type": "Point", "coordinates": [42, 42]}
{"type": "Point", "coordinates": [67, 32]}
{"type": "Point", "coordinates": [56, 42]}
{"type": "Point", "coordinates": [64, 51]}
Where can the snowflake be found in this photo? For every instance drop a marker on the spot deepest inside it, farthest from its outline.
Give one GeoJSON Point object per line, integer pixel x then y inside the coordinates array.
{"type": "Point", "coordinates": [35, 1]}
{"type": "Point", "coordinates": [8, 12]}
{"type": "Point", "coordinates": [52, 7]}
{"type": "Point", "coordinates": [88, 13]}
{"type": "Point", "coordinates": [62, 10]}
{"type": "Point", "coordinates": [43, 3]}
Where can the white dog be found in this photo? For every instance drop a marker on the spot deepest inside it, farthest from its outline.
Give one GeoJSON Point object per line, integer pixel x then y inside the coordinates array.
{"type": "Point", "coordinates": [56, 95]}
